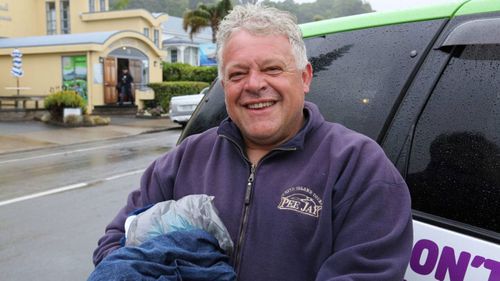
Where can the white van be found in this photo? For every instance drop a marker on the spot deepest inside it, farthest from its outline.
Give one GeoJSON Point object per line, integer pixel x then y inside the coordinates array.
{"type": "Point", "coordinates": [425, 84]}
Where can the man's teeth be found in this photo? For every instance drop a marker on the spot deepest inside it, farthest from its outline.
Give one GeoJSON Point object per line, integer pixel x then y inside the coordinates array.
{"type": "Point", "coordinates": [260, 105]}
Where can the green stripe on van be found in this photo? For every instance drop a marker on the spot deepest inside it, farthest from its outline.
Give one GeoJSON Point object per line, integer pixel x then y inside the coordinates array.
{"type": "Point", "coordinates": [479, 6]}
{"type": "Point", "coordinates": [438, 11]}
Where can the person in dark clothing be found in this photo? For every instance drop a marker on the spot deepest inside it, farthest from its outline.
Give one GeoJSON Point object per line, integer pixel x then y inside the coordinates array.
{"type": "Point", "coordinates": [302, 198]}
{"type": "Point", "coordinates": [125, 87]}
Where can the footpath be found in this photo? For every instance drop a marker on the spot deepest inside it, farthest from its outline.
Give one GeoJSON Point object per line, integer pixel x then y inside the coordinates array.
{"type": "Point", "coordinates": [16, 136]}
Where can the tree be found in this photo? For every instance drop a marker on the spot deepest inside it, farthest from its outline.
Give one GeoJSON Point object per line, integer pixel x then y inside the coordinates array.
{"type": "Point", "coordinates": [118, 4]}
{"type": "Point", "coordinates": [243, 2]}
{"type": "Point", "coordinates": [206, 16]}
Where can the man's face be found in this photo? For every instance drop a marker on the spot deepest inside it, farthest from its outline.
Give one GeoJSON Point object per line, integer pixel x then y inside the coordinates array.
{"type": "Point", "coordinates": [264, 90]}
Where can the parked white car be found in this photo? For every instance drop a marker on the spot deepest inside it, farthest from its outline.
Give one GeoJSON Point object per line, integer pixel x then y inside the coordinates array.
{"type": "Point", "coordinates": [181, 107]}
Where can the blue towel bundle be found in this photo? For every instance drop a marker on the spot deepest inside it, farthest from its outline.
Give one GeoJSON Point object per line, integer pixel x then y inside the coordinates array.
{"type": "Point", "coordinates": [179, 255]}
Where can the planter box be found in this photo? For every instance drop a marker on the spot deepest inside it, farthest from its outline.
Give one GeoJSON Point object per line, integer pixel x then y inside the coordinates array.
{"type": "Point", "coordinates": [74, 112]}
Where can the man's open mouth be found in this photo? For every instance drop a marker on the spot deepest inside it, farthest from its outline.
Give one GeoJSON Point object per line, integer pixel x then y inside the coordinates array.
{"type": "Point", "coordinates": [260, 105]}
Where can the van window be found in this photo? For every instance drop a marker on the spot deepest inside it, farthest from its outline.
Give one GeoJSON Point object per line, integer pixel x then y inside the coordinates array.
{"type": "Point", "coordinates": [360, 74]}
{"type": "Point", "coordinates": [454, 168]}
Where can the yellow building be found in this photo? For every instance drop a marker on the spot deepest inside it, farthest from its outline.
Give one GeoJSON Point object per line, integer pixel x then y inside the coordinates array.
{"type": "Point", "coordinates": [80, 45]}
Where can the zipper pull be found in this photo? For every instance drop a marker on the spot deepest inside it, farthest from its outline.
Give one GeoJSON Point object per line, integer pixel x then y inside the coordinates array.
{"type": "Point", "coordinates": [248, 192]}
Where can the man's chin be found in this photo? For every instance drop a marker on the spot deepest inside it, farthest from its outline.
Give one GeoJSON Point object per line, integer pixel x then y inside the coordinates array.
{"type": "Point", "coordinates": [261, 136]}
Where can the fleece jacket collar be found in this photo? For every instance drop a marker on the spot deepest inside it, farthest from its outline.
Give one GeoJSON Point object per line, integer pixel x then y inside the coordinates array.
{"type": "Point", "coordinates": [313, 117]}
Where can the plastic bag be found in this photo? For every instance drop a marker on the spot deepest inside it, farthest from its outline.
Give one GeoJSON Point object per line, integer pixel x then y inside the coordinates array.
{"type": "Point", "coordinates": [187, 213]}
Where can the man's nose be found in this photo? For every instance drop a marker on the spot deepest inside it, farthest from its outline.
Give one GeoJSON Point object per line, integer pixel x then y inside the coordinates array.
{"type": "Point", "coordinates": [256, 81]}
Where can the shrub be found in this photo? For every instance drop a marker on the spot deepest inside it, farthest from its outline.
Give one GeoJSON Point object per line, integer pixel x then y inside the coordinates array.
{"type": "Point", "coordinates": [73, 119]}
{"type": "Point", "coordinates": [98, 120]}
{"type": "Point", "coordinates": [186, 72]}
{"type": "Point", "coordinates": [56, 102]}
{"type": "Point", "coordinates": [204, 73]}
{"type": "Point", "coordinates": [166, 90]}
{"type": "Point", "coordinates": [95, 120]}
{"type": "Point", "coordinates": [157, 111]}
{"type": "Point", "coordinates": [176, 72]}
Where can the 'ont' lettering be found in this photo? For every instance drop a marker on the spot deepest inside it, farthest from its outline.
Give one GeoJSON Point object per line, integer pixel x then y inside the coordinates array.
{"type": "Point", "coordinates": [427, 258]}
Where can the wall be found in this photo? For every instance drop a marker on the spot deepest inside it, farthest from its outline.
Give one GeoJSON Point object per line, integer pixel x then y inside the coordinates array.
{"type": "Point", "coordinates": [41, 73]}
{"type": "Point", "coordinates": [95, 90]}
{"type": "Point", "coordinates": [136, 24]}
{"type": "Point", "coordinates": [77, 8]}
{"type": "Point", "coordinates": [22, 18]}
{"type": "Point", "coordinates": [135, 20]}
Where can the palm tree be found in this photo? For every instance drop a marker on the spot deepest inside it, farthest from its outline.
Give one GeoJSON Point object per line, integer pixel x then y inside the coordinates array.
{"type": "Point", "coordinates": [206, 16]}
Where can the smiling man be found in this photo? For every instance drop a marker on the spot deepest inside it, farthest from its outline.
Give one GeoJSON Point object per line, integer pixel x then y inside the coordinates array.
{"type": "Point", "coordinates": [302, 198]}
{"type": "Point", "coordinates": [264, 89]}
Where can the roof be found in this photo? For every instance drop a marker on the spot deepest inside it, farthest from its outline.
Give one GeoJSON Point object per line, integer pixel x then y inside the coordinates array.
{"type": "Point", "coordinates": [173, 28]}
{"type": "Point", "coordinates": [52, 40]}
{"type": "Point", "coordinates": [77, 42]}
{"type": "Point", "coordinates": [178, 40]}
{"type": "Point", "coordinates": [437, 11]}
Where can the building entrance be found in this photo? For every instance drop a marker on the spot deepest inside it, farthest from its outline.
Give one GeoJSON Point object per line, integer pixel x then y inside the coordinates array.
{"type": "Point", "coordinates": [129, 58]}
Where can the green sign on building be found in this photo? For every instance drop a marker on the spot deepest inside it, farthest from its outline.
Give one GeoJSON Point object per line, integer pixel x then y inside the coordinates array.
{"type": "Point", "coordinates": [74, 71]}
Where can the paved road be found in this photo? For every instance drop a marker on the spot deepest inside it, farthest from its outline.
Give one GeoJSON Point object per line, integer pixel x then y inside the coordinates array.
{"type": "Point", "coordinates": [29, 135]}
{"type": "Point", "coordinates": [46, 236]}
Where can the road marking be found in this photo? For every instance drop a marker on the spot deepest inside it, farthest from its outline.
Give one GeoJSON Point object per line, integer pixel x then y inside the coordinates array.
{"type": "Point", "coordinates": [66, 188]}
{"type": "Point", "coordinates": [74, 151]}
{"type": "Point", "coordinates": [124, 175]}
{"type": "Point", "coordinates": [44, 193]}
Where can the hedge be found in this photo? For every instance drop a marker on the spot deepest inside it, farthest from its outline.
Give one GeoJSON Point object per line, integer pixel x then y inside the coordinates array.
{"type": "Point", "coordinates": [165, 90]}
{"type": "Point", "coordinates": [186, 72]}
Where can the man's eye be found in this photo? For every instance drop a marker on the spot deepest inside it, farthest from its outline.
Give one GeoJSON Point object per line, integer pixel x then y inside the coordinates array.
{"type": "Point", "coordinates": [236, 76]}
{"type": "Point", "coordinates": [273, 70]}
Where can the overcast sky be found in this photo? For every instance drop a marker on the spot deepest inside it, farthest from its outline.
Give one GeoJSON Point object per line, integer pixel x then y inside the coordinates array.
{"type": "Point", "coordinates": [386, 5]}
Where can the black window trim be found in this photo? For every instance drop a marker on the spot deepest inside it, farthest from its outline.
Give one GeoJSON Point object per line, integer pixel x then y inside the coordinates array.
{"type": "Point", "coordinates": [474, 32]}
{"type": "Point", "coordinates": [456, 226]}
{"type": "Point", "coordinates": [404, 90]}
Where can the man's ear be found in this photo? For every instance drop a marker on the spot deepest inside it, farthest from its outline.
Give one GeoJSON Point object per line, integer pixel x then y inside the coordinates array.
{"type": "Point", "coordinates": [307, 74]}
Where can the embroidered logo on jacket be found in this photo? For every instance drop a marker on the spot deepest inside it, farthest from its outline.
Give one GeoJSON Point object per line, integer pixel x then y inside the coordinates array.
{"type": "Point", "coordinates": [301, 199]}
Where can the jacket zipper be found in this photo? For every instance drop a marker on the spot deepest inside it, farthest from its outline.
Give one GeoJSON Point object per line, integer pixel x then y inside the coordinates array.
{"type": "Point", "coordinates": [248, 198]}
{"type": "Point", "coordinates": [241, 238]}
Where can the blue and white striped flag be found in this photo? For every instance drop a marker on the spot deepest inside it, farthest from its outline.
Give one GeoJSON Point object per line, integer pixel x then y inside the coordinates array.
{"type": "Point", "coordinates": [17, 63]}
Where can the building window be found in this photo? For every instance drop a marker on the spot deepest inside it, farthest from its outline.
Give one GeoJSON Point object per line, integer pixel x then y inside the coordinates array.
{"type": "Point", "coordinates": [102, 5]}
{"type": "Point", "coordinates": [65, 23]}
{"type": "Point", "coordinates": [91, 6]}
{"type": "Point", "coordinates": [173, 56]}
{"type": "Point", "coordinates": [157, 38]}
{"type": "Point", "coordinates": [146, 32]}
{"type": "Point", "coordinates": [50, 8]}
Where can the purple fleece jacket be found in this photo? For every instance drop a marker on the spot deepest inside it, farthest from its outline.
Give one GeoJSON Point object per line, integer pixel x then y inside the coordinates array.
{"type": "Point", "coordinates": [326, 205]}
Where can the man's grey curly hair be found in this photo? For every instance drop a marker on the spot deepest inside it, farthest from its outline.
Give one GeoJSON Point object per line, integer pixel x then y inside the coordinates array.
{"type": "Point", "coordinates": [261, 20]}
